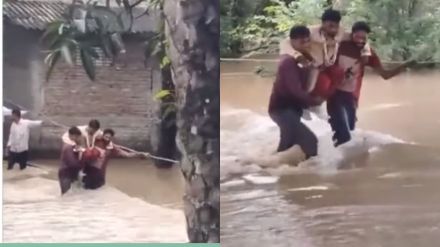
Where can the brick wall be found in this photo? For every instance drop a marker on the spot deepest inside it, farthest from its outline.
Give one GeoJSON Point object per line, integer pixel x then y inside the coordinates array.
{"type": "Point", "coordinates": [121, 98]}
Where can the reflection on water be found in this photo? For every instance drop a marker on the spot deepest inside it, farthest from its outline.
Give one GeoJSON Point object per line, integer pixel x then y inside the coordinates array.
{"type": "Point", "coordinates": [139, 204]}
{"type": "Point", "coordinates": [392, 202]}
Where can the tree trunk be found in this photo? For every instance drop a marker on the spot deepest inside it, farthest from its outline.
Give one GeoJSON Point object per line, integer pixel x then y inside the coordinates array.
{"type": "Point", "coordinates": [166, 129]}
{"type": "Point", "coordinates": [193, 35]}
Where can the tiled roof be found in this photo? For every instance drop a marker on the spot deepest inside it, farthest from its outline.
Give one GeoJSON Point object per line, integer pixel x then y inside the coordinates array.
{"type": "Point", "coordinates": [37, 14]}
{"type": "Point", "coordinates": [33, 14]}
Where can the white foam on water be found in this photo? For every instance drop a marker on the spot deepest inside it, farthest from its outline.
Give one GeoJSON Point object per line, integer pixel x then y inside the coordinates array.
{"type": "Point", "coordinates": [29, 171]}
{"type": "Point", "coordinates": [248, 134]}
{"type": "Point", "coordinates": [311, 188]}
{"type": "Point", "coordinates": [34, 211]}
{"type": "Point", "coordinates": [255, 179]}
{"type": "Point", "coordinates": [391, 175]}
{"type": "Point", "coordinates": [233, 183]}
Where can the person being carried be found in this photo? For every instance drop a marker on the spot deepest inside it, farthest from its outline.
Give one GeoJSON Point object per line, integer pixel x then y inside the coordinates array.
{"type": "Point", "coordinates": [95, 169]}
{"type": "Point", "coordinates": [342, 104]}
{"type": "Point", "coordinates": [321, 57]}
{"type": "Point", "coordinates": [18, 142]}
{"type": "Point", "coordinates": [89, 134]}
{"type": "Point", "coordinates": [290, 97]}
{"type": "Point", "coordinates": [70, 165]}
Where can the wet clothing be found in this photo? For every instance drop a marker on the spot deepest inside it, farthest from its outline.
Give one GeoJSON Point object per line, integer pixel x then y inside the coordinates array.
{"type": "Point", "coordinates": [69, 168]}
{"type": "Point", "coordinates": [349, 60]}
{"type": "Point", "coordinates": [87, 140]}
{"type": "Point", "coordinates": [289, 88]}
{"type": "Point", "coordinates": [18, 141]}
{"type": "Point", "coordinates": [95, 170]}
{"type": "Point", "coordinates": [324, 52]}
{"type": "Point", "coordinates": [20, 158]}
{"type": "Point", "coordinates": [342, 105]}
{"type": "Point", "coordinates": [288, 99]}
{"type": "Point", "coordinates": [294, 132]}
{"type": "Point", "coordinates": [327, 81]}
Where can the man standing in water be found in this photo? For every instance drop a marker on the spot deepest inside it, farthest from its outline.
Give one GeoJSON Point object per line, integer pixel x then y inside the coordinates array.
{"type": "Point", "coordinates": [342, 104]}
{"type": "Point", "coordinates": [321, 56]}
{"type": "Point", "coordinates": [18, 143]}
{"type": "Point", "coordinates": [95, 170]}
{"type": "Point", "coordinates": [290, 97]}
{"type": "Point", "coordinates": [70, 160]}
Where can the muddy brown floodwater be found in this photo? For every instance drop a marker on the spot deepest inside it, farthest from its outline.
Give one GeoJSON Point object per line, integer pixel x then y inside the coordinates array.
{"type": "Point", "coordinates": [139, 203]}
{"type": "Point", "coordinates": [392, 202]}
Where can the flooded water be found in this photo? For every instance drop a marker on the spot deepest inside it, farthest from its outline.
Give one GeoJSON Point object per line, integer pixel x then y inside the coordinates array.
{"type": "Point", "coordinates": [390, 200]}
{"type": "Point", "coordinates": [139, 204]}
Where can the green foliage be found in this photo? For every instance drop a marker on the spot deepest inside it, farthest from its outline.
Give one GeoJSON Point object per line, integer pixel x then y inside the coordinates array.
{"type": "Point", "coordinates": [277, 19]}
{"type": "Point", "coordinates": [405, 29]}
{"type": "Point", "coordinates": [402, 29]}
{"type": "Point", "coordinates": [66, 39]}
{"type": "Point", "coordinates": [234, 17]}
{"type": "Point", "coordinates": [162, 94]}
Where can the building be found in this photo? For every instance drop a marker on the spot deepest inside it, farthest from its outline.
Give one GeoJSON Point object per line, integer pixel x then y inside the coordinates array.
{"type": "Point", "coordinates": [121, 97]}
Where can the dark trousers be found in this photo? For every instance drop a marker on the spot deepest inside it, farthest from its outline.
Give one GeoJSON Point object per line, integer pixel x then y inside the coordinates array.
{"type": "Point", "coordinates": [20, 158]}
{"type": "Point", "coordinates": [341, 107]}
{"type": "Point", "coordinates": [294, 132]}
{"type": "Point", "coordinates": [93, 178]}
{"type": "Point", "coordinates": [66, 177]}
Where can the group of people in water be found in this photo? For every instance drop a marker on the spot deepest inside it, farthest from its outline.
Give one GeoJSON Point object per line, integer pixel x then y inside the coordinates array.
{"type": "Point", "coordinates": [85, 149]}
{"type": "Point", "coordinates": [88, 149]}
{"type": "Point", "coordinates": [317, 64]}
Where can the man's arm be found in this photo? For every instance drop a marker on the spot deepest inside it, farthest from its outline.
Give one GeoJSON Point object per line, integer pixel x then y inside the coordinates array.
{"type": "Point", "coordinates": [289, 74]}
{"type": "Point", "coordinates": [376, 64]}
{"type": "Point", "coordinates": [33, 123]}
{"type": "Point", "coordinates": [9, 138]}
{"type": "Point", "coordinates": [118, 151]}
{"type": "Point", "coordinates": [69, 157]}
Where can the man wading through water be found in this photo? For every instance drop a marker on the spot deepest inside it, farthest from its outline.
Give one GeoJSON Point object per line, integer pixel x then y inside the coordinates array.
{"type": "Point", "coordinates": [95, 169]}
{"type": "Point", "coordinates": [321, 57]}
{"type": "Point", "coordinates": [18, 142]}
{"type": "Point", "coordinates": [290, 97]}
{"type": "Point", "coordinates": [70, 160]}
{"type": "Point", "coordinates": [342, 104]}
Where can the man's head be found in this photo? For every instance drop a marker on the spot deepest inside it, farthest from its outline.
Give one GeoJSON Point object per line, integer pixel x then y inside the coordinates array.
{"type": "Point", "coordinates": [359, 33]}
{"type": "Point", "coordinates": [108, 135]}
{"type": "Point", "coordinates": [330, 22]}
{"type": "Point", "coordinates": [75, 134]}
{"type": "Point", "coordinates": [94, 126]}
{"type": "Point", "coordinates": [300, 38]}
{"type": "Point", "coordinates": [16, 115]}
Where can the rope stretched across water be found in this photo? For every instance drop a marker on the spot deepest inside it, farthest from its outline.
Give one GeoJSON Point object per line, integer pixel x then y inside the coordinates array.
{"type": "Point", "coordinates": [123, 147]}
{"type": "Point", "coordinates": [149, 155]}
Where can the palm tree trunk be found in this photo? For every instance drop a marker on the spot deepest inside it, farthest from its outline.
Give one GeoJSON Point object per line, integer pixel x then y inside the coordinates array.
{"type": "Point", "coordinates": [193, 37]}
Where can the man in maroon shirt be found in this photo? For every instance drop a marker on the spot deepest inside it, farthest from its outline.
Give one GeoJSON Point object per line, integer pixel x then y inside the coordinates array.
{"type": "Point", "coordinates": [341, 106]}
{"type": "Point", "coordinates": [95, 170]}
{"type": "Point", "coordinates": [70, 160]}
{"type": "Point", "coordinates": [289, 97]}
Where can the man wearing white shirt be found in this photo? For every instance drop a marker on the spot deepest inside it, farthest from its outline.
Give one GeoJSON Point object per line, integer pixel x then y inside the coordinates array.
{"type": "Point", "coordinates": [89, 134]}
{"type": "Point", "coordinates": [18, 143]}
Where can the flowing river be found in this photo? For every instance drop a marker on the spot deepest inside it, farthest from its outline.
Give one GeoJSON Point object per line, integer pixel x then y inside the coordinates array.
{"type": "Point", "coordinates": [140, 203]}
{"type": "Point", "coordinates": [387, 197]}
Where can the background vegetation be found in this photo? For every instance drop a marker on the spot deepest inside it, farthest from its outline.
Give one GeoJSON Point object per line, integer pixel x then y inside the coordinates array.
{"type": "Point", "coordinates": [402, 29]}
